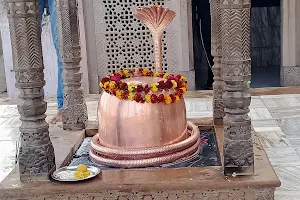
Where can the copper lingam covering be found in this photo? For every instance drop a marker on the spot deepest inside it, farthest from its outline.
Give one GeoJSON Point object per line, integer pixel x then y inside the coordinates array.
{"type": "Point", "coordinates": [134, 134]}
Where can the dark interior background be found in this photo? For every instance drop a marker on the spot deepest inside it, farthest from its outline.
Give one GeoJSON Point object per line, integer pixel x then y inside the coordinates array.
{"type": "Point", "coordinates": [265, 43]}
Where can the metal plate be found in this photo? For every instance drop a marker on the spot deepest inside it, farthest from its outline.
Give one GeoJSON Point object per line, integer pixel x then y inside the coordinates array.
{"type": "Point", "coordinates": [66, 174]}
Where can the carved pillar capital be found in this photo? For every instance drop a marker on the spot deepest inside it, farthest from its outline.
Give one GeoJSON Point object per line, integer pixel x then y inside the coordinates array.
{"type": "Point", "coordinates": [75, 111]}
{"type": "Point", "coordinates": [236, 72]}
{"type": "Point", "coordinates": [216, 46]}
{"type": "Point", "coordinates": [36, 157]}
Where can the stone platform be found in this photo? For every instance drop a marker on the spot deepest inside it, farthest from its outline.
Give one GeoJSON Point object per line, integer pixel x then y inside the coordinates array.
{"type": "Point", "coordinates": [165, 183]}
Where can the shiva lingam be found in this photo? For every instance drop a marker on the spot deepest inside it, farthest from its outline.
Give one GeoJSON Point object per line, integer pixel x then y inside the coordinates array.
{"type": "Point", "coordinates": [141, 114]}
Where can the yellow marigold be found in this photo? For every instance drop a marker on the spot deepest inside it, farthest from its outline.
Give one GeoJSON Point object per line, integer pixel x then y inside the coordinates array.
{"type": "Point", "coordinates": [105, 84]}
{"type": "Point", "coordinates": [168, 99]}
{"type": "Point", "coordinates": [156, 4]}
{"type": "Point", "coordinates": [154, 87]}
{"type": "Point", "coordinates": [130, 87]}
{"type": "Point", "coordinates": [156, 74]}
{"type": "Point", "coordinates": [174, 84]}
{"type": "Point", "coordinates": [177, 99]}
{"type": "Point", "coordinates": [126, 72]}
{"type": "Point", "coordinates": [119, 94]}
{"type": "Point", "coordinates": [137, 70]}
{"type": "Point", "coordinates": [166, 75]}
{"type": "Point", "coordinates": [101, 84]}
{"type": "Point", "coordinates": [112, 84]}
{"type": "Point", "coordinates": [183, 78]}
{"type": "Point", "coordinates": [183, 89]}
{"type": "Point", "coordinates": [148, 98]}
{"type": "Point", "coordinates": [131, 96]}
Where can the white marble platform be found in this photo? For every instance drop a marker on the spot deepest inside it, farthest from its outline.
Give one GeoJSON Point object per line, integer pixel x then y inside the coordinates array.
{"type": "Point", "coordinates": [276, 119]}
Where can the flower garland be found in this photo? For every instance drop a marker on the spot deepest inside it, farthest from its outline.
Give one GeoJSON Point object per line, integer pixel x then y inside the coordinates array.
{"type": "Point", "coordinates": [114, 85]}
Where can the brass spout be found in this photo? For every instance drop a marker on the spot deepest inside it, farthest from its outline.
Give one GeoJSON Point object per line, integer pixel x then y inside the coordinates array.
{"type": "Point", "coordinates": [156, 19]}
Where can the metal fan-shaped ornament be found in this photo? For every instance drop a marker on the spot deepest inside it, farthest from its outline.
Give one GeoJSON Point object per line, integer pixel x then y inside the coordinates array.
{"type": "Point", "coordinates": [156, 19]}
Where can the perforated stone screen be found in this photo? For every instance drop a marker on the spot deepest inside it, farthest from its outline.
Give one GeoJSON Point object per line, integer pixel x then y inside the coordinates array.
{"type": "Point", "coordinates": [129, 43]}
{"type": "Point", "coordinates": [123, 42]}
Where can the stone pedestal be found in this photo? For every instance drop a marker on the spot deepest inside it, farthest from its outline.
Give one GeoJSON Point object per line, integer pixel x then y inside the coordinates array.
{"type": "Point", "coordinates": [216, 46]}
{"type": "Point", "coordinates": [236, 72]}
{"type": "Point", "coordinates": [75, 111]}
{"type": "Point", "coordinates": [36, 156]}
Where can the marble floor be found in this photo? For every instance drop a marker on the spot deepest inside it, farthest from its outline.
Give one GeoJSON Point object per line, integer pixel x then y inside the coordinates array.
{"type": "Point", "coordinates": [276, 119]}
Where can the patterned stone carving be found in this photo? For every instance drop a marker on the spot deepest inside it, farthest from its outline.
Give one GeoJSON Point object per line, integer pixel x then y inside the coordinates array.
{"type": "Point", "coordinates": [236, 72]}
{"type": "Point", "coordinates": [36, 155]}
{"type": "Point", "coordinates": [216, 44]}
{"type": "Point", "coordinates": [75, 110]}
{"type": "Point", "coordinates": [240, 194]}
{"type": "Point", "coordinates": [123, 41]}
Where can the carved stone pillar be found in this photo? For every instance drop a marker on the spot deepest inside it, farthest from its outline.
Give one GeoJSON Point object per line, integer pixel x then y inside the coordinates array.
{"type": "Point", "coordinates": [236, 72]}
{"type": "Point", "coordinates": [36, 156]}
{"type": "Point", "coordinates": [216, 52]}
{"type": "Point", "coordinates": [75, 111]}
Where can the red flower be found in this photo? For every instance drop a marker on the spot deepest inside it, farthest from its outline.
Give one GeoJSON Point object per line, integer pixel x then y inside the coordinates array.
{"type": "Point", "coordinates": [149, 73]}
{"type": "Point", "coordinates": [138, 97]}
{"type": "Point", "coordinates": [123, 86]}
{"type": "Point", "coordinates": [153, 98]}
{"type": "Point", "coordinates": [141, 70]}
{"type": "Point", "coordinates": [172, 97]}
{"type": "Point", "coordinates": [161, 85]}
{"type": "Point", "coordinates": [161, 98]}
{"type": "Point", "coordinates": [147, 89]}
{"type": "Point", "coordinates": [105, 79]}
{"type": "Point", "coordinates": [168, 84]}
{"type": "Point", "coordinates": [125, 94]}
{"type": "Point", "coordinates": [171, 77]}
{"type": "Point", "coordinates": [139, 88]}
{"type": "Point", "coordinates": [180, 93]}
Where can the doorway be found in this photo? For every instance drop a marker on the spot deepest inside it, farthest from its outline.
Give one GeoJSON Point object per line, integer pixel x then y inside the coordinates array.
{"type": "Point", "coordinates": [265, 43]}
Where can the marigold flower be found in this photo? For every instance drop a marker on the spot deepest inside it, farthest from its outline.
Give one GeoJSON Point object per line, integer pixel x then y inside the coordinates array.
{"type": "Point", "coordinates": [106, 85]}
{"type": "Point", "coordinates": [177, 99]}
{"type": "Point", "coordinates": [148, 98]}
{"type": "Point", "coordinates": [145, 71]}
{"type": "Point", "coordinates": [126, 72]}
{"type": "Point", "coordinates": [119, 94]}
{"type": "Point", "coordinates": [131, 96]}
{"type": "Point", "coordinates": [183, 89]}
{"type": "Point", "coordinates": [154, 87]}
{"type": "Point", "coordinates": [168, 99]}
{"type": "Point", "coordinates": [182, 78]}
{"type": "Point", "coordinates": [131, 87]}
{"type": "Point", "coordinates": [112, 84]}
{"type": "Point", "coordinates": [156, 74]}
{"type": "Point", "coordinates": [174, 84]}
{"type": "Point", "coordinates": [166, 76]}
{"type": "Point", "coordinates": [101, 84]}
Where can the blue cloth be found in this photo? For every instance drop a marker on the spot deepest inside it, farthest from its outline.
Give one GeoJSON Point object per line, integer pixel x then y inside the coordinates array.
{"type": "Point", "coordinates": [52, 10]}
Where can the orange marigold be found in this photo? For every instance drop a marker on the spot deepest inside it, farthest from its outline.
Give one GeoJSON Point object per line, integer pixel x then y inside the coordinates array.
{"type": "Point", "coordinates": [168, 99]}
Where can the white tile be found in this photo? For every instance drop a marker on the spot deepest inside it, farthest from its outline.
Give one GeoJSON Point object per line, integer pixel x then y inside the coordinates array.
{"type": "Point", "coordinates": [257, 103]}
{"type": "Point", "coordinates": [269, 125]}
{"type": "Point", "coordinates": [273, 139]}
{"type": "Point", "coordinates": [290, 179]}
{"type": "Point", "coordinates": [260, 114]}
{"type": "Point", "coordinates": [286, 156]}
